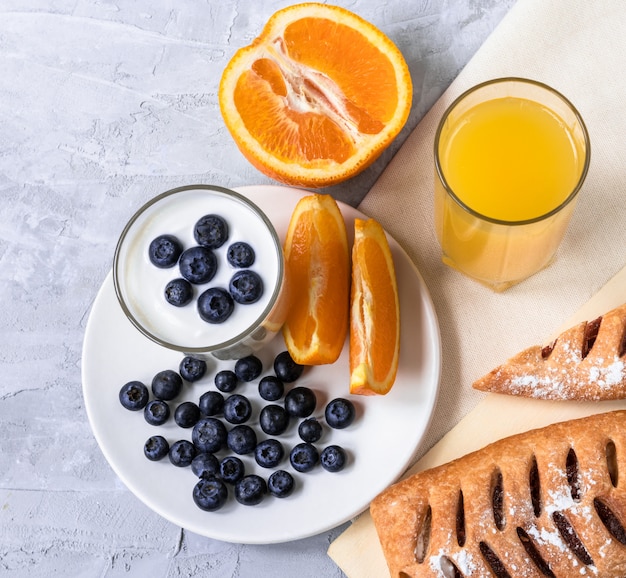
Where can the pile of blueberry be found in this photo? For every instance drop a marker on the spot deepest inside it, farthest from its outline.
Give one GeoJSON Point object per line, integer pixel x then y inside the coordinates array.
{"type": "Point", "coordinates": [197, 265]}
{"type": "Point", "coordinates": [220, 424]}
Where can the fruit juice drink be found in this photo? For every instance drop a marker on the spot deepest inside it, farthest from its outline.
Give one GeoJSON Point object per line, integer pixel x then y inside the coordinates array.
{"type": "Point", "coordinates": [140, 285]}
{"type": "Point", "coordinates": [511, 156]}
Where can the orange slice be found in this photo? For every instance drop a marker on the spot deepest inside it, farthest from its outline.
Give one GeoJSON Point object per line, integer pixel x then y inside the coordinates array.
{"type": "Point", "coordinates": [317, 96]}
{"type": "Point", "coordinates": [318, 264]}
{"type": "Point", "coordinates": [374, 312]}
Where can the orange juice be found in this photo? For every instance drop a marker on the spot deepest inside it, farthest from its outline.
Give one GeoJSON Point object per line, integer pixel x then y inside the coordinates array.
{"type": "Point", "coordinates": [508, 169]}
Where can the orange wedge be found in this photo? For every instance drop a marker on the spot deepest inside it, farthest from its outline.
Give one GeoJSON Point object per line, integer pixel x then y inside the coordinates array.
{"type": "Point", "coordinates": [317, 96]}
{"type": "Point", "coordinates": [318, 264]}
{"type": "Point", "coordinates": [374, 312]}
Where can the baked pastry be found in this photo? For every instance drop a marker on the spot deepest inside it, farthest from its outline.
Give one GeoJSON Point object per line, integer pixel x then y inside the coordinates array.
{"type": "Point", "coordinates": [585, 362]}
{"type": "Point", "coordinates": [548, 502]}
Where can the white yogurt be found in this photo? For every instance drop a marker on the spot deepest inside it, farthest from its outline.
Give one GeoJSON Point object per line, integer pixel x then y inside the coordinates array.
{"type": "Point", "coordinates": [140, 284]}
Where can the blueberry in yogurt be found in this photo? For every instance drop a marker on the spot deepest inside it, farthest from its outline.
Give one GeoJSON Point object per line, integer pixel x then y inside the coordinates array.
{"type": "Point", "coordinates": [211, 231]}
{"type": "Point", "coordinates": [178, 292]}
{"type": "Point", "coordinates": [246, 287]}
{"type": "Point", "coordinates": [215, 305]}
{"type": "Point", "coordinates": [240, 255]}
{"type": "Point", "coordinates": [164, 251]}
{"type": "Point", "coordinates": [198, 265]}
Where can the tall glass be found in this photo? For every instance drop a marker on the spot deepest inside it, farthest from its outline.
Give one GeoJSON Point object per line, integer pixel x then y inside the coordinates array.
{"type": "Point", "coordinates": [511, 155]}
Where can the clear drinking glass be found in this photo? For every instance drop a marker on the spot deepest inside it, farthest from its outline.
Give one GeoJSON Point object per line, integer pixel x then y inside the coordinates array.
{"type": "Point", "coordinates": [511, 155]}
{"type": "Point", "coordinates": [140, 285]}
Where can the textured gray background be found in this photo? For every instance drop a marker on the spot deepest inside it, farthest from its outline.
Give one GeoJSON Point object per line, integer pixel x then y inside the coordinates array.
{"type": "Point", "coordinates": [103, 104]}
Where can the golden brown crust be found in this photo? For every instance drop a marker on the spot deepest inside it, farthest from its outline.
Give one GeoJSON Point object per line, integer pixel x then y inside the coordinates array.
{"type": "Point", "coordinates": [579, 365]}
{"type": "Point", "coordinates": [577, 488]}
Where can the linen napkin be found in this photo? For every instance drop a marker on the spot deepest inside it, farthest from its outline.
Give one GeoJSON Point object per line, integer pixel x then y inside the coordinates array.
{"type": "Point", "coordinates": [578, 48]}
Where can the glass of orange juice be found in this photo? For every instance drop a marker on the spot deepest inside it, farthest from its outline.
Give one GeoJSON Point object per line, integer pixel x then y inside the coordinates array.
{"type": "Point", "coordinates": [511, 155]}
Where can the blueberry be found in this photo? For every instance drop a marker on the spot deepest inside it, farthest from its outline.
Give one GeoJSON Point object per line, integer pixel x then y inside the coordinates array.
{"type": "Point", "coordinates": [310, 430]}
{"type": "Point", "coordinates": [333, 458]}
{"type": "Point", "coordinates": [250, 490]}
{"type": "Point", "coordinates": [215, 305]}
{"type": "Point", "coordinates": [339, 413]}
{"type": "Point", "coordinates": [210, 494]}
{"type": "Point", "coordinates": [248, 368]}
{"type": "Point", "coordinates": [269, 453]}
{"type": "Point", "coordinates": [246, 287]}
{"type": "Point", "coordinates": [271, 388]}
{"type": "Point", "coordinates": [225, 380]}
{"type": "Point", "coordinates": [182, 453]}
{"type": "Point", "coordinates": [240, 255]}
{"type": "Point", "coordinates": [273, 419]}
{"type": "Point", "coordinates": [211, 231]}
{"type": "Point", "coordinates": [164, 251]}
{"type": "Point", "coordinates": [232, 469]}
{"type": "Point", "coordinates": [304, 457]}
{"type": "Point", "coordinates": [156, 448]}
{"type": "Point", "coordinates": [167, 385]}
{"type": "Point", "coordinates": [237, 409]}
{"type": "Point", "coordinates": [187, 414]}
{"type": "Point", "coordinates": [211, 403]}
{"type": "Point", "coordinates": [280, 484]}
{"type": "Point", "coordinates": [134, 395]}
{"type": "Point", "coordinates": [198, 265]}
{"type": "Point", "coordinates": [178, 292]}
{"type": "Point", "coordinates": [300, 402]}
{"type": "Point", "coordinates": [192, 368]}
{"type": "Point", "coordinates": [286, 369]}
{"type": "Point", "coordinates": [209, 435]}
{"type": "Point", "coordinates": [205, 465]}
{"type": "Point", "coordinates": [157, 412]}
{"type": "Point", "coordinates": [241, 439]}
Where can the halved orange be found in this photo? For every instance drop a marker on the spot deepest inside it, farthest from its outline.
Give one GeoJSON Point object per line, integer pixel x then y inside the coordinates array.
{"type": "Point", "coordinates": [317, 259]}
{"type": "Point", "coordinates": [317, 96]}
{"type": "Point", "coordinates": [374, 312]}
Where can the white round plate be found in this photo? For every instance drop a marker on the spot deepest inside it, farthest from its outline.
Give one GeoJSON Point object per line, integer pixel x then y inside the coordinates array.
{"type": "Point", "coordinates": [380, 443]}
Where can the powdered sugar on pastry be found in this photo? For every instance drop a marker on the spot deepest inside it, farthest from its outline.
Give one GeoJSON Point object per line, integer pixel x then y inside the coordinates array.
{"type": "Point", "coordinates": [586, 362]}
{"type": "Point", "coordinates": [546, 503]}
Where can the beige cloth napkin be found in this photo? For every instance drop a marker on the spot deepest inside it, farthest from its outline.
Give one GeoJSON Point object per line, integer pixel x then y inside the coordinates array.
{"type": "Point", "coordinates": [579, 48]}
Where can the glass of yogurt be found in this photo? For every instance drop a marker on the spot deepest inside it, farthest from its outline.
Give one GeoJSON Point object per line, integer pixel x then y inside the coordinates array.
{"type": "Point", "coordinates": [140, 285]}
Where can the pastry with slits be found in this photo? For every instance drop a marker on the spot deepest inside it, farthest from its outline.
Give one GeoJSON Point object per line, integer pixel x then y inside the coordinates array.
{"type": "Point", "coordinates": [550, 502]}
{"type": "Point", "coordinates": [585, 363]}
